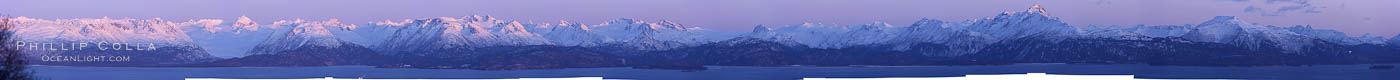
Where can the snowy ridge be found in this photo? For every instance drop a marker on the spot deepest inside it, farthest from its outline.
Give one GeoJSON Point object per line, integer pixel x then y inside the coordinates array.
{"type": "Point", "coordinates": [832, 36]}
{"type": "Point", "coordinates": [302, 34]}
{"type": "Point", "coordinates": [245, 24]}
{"type": "Point", "coordinates": [1370, 39]}
{"type": "Point", "coordinates": [447, 32]}
{"type": "Point", "coordinates": [572, 34]}
{"type": "Point", "coordinates": [1337, 36]}
{"type": "Point", "coordinates": [154, 31]}
{"type": "Point", "coordinates": [1034, 23]}
{"type": "Point", "coordinates": [962, 37]}
{"type": "Point", "coordinates": [476, 31]}
{"type": "Point", "coordinates": [960, 41]}
{"type": "Point", "coordinates": [1231, 30]}
{"type": "Point", "coordinates": [644, 35]}
{"type": "Point", "coordinates": [1121, 33]}
{"type": "Point", "coordinates": [172, 44]}
{"type": "Point", "coordinates": [485, 31]}
{"type": "Point", "coordinates": [1162, 31]}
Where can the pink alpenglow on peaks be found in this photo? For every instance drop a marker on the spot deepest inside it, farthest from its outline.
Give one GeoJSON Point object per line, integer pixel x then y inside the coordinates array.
{"type": "Point", "coordinates": [153, 30]}
{"type": "Point", "coordinates": [244, 23]}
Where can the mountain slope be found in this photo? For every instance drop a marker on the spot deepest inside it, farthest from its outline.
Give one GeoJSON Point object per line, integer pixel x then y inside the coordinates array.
{"type": "Point", "coordinates": [143, 41]}
{"type": "Point", "coordinates": [301, 34]}
{"type": "Point", "coordinates": [1032, 23]}
{"type": "Point", "coordinates": [154, 30]}
{"type": "Point", "coordinates": [1395, 41]}
{"type": "Point", "coordinates": [1231, 30]}
{"type": "Point", "coordinates": [306, 43]}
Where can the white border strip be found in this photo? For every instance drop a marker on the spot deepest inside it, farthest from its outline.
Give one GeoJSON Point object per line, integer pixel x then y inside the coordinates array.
{"type": "Point", "coordinates": [333, 78]}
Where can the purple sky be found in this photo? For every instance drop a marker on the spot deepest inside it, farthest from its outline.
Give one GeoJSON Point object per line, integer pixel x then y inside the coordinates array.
{"type": "Point", "coordinates": [1355, 17]}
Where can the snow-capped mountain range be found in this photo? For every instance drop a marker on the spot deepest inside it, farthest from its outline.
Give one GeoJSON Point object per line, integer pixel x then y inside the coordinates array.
{"type": "Point", "coordinates": [153, 30]}
{"type": "Point", "coordinates": [414, 35]}
{"type": "Point", "coordinates": [966, 37]}
{"type": "Point", "coordinates": [485, 31]}
{"type": "Point", "coordinates": [156, 41]}
{"type": "Point", "coordinates": [302, 34]}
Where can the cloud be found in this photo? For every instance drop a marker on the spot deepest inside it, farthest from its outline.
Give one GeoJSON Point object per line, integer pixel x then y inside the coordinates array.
{"type": "Point", "coordinates": [1286, 1]}
{"type": "Point", "coordinates": [1252, 9]}
{"type": "Point", "coordinates": [1103, 2]}
{"type": "Point", "coordinates": [1281, 7]}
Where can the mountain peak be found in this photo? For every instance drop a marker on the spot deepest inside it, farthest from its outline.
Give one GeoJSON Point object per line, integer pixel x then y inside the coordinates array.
{"type": "Point", "coordinates": [1035, 12]}
{"type": "Point", "coordinates": [480, 18]}
{"type": "Point", "coordinates": [244, 23]}
{"type": "Point", "coordinates": [1230, 19]}
{"type": "Point", "coordinates": [623, 21]}
{"type": "Point", "coordinates": [514, 27]}
{"type": "Point", "coordinates": [1218, 29]}
{"type": "Point", "coordinates": [319, 28]}
{"type": "Point", "coordinates": [566, 25]}
{"type": "Point", "coordinates": [667, 22]}
{"type": "Point", "coordinates": [1226, 21]}
{"type": "Point", "coordinates": [927, 22]}
{"type": "Point", "coordinates": [672, 25]}
{"type": "Point", "coordinates": [1037, 9]}
{"type": "Point", "coordinates": [302, 34]}
{"type": "Point", "coordinates": [761, 29]}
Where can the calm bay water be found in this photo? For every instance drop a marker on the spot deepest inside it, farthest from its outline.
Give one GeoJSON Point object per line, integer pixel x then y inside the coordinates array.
{"type": "Point", "coordinates": [1328, 72]}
